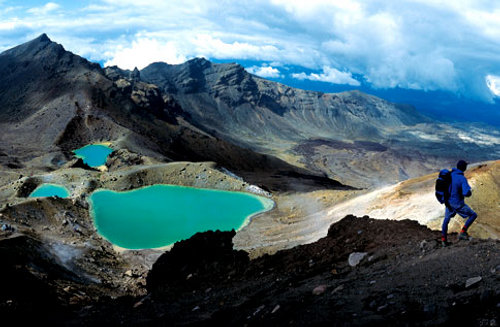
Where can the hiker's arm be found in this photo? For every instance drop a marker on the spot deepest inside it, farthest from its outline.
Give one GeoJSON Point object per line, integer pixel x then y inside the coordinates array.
{"type": "Point", "coordinates": [466, 190]}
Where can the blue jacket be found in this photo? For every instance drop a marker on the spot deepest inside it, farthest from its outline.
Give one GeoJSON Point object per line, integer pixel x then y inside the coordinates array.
{"type": "Point", "coordinates": [459, 189]}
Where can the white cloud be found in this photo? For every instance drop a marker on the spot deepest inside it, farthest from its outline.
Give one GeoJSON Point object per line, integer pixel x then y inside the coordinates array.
{"type": "Point", "coordinates": [48, 7]}
{"type": "Point", "coordinates": [493, 83]}
{"type": "Point", "coordinates": [330, 75]}
{"type": "Point", "coordinates": [7, 10]}
{"type": "Point", "coordinates": [142, 52]}
{"type": "Point", "coordinates": [208, 46]}
{"type": "Point", "coordinates": [264, 71]}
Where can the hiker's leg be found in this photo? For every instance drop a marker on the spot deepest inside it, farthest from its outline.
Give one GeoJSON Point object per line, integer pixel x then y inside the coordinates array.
{"type": "Point", "coordinates": [467, 212]}
{"type": "Point", "coordinates": [444, 230]}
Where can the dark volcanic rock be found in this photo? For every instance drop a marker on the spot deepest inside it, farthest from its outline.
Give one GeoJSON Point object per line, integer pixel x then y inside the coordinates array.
{"type": "Point", "coordinates": [27, 274]}
{"type": "Point", "coordinates": [123, 158]}
{"type": "Point", "coordinates": [36, 67]}
{"type": "Point", "coordinates": [28, 186]}
{"type": "Point", "coordinates": [202, 281]}
{"type": "Point", "coordinates": [115, 73]}
{"type": "Point", "coordinates": [80, 164]}
{"type": "Point", "coordinates": [145, 96]}
{"type": "Point", "coordinates": [199, 263]}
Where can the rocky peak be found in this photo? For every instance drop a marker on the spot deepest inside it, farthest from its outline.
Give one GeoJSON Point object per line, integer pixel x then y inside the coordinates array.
{"type": "Point", "coordinates": [34, 47]}
{"type": "Point", "coordinates": [51, 55]}
{"type": "Point", "coordinates": [159, 65]}
{"type": "Point", "coordinates": [135, 75]}
{"type": "Point", "coordinates": [115, 73]}
{"type": "Point", "coordinates": [43, 38]}
{"type": "Point", "coordinates": [39, 65]}
{"type": "Point", "coordinates": [198, 62]}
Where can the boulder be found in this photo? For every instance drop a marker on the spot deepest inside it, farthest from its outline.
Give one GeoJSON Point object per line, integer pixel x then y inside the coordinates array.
{"type": "Point", "coordinates": [472, 281]}
{"type": "Point", "coordinates": [356, 257]}
{"type": "Point", "coordinates": [208, 258]}
{"type": "Point", "coordinates": [318, 290]}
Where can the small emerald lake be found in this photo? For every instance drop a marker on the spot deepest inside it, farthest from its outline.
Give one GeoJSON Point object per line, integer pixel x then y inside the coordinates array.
{"type": "Point", "coordinates": [161, 215]}
{"type": "Point", "coordinates": [46, 190]}
{"type": "Point", "coordinates": [94, 155]}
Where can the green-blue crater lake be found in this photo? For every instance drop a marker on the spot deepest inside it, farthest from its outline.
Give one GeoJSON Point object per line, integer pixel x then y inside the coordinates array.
{"type": "Point", "coordinates": [45, 190]}
{"type": "Point", "coordinates": [94, 155]}
{"type": "Point", "coordinates": [161, 215]}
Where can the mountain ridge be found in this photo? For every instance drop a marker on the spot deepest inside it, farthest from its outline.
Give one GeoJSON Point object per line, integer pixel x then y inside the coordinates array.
{"type": "Point", "coordinates": [304, 127]}
{"type": "Point", "coordinates": [69, 102]}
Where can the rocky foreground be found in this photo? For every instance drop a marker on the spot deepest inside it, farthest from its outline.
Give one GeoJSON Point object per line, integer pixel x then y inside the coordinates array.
{"type": "Point", "coordinates": [364, 272]}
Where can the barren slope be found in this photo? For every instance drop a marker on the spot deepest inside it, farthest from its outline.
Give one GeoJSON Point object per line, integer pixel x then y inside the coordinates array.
{"type": "Point", "coordinates": [414, 199]}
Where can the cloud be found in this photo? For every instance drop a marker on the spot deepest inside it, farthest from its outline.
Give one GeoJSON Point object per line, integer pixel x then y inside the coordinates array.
{"type": "Point", "coordinates": [330, 75]}
{"type": "Point", "coordinates": [142, 52]}
{"type": "Point", "coordinates": [48, 7]}
{"type": "Point", "coordinates": [493, 83]}
{"type": "Point", "coordinates": [9, 9]}
{"type": "Point", "coordinates": [208, 46]}
{"type": "Point", "coordinates": [406, 44]}
{"type": "Point", "coordinates": [264, 71]}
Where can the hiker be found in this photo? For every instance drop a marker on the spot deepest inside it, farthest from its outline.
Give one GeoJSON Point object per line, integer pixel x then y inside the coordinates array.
{"type": "Point", "coordinates": [459, 188]}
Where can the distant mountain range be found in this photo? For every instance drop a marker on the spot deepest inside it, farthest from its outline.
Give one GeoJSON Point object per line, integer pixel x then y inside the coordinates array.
{"type": "Point", "coordinates": [359, 139]}
{"type": "Point", "coordinates": [53, 101]}
{"type": "Point", "coordinates": [445, 106]}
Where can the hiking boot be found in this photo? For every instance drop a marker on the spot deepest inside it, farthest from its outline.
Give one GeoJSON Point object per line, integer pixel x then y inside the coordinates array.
{"type": "Point", "coordinates": [445, 244]}
{"type": "Point", "coordinates": [463, 236]}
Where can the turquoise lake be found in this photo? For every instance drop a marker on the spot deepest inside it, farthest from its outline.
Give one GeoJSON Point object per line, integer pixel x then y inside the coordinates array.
{"type": "Point", "coordinates": [94, 155]}
{"type": "Point", "coordinates": [161, 215]}
{"type": "Point", "coordinates": [45, 190]}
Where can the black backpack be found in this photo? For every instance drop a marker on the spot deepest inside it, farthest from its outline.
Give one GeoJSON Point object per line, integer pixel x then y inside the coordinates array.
{"type": "Point", "coordinates": [443, 186]}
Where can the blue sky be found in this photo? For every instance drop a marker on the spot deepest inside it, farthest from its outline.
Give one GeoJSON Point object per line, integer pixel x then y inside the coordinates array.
{"type": "Point", "coordinates": [420, 49]}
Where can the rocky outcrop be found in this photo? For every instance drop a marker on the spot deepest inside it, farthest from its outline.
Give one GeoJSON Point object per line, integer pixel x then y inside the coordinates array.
{"type": "Point", "coordinates": [28, 186]}
{"type": "Point", "coordinates": [123, 158]}
{"type": "Point", "coordinates": [202, 262]}
{"type": "Point", "coordinates": [146, 96]}
{"type": "Point", "coordinates": [79, 163]}
{"type": "Point", "coordinates": [27, 294]}
{"type": "Point", "coordinates": [202, 281]}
